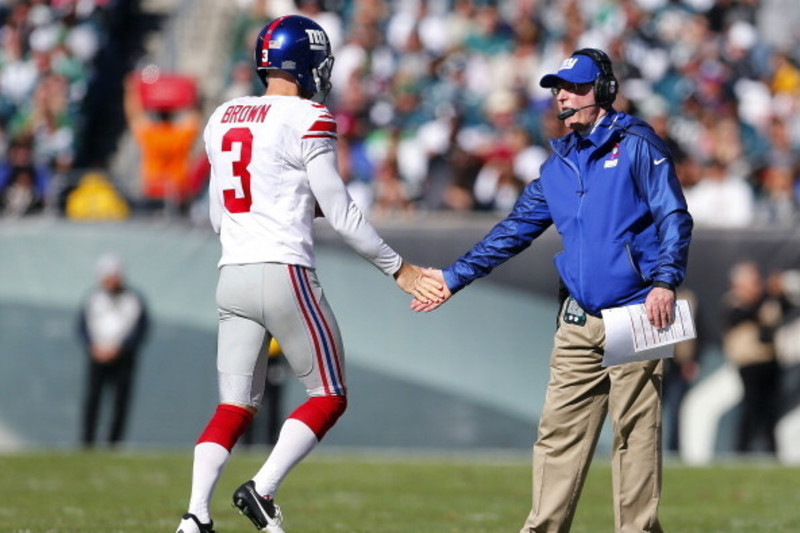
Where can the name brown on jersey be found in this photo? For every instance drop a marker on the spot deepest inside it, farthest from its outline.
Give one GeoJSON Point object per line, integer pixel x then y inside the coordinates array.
{"type": "Point", "coordinates": [245, 113]}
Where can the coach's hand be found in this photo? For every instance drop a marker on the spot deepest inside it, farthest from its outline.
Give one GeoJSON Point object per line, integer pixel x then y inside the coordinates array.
{"type": "Point", "coordinates": [421, 306]}
{"type": "Point", "coordinates": [660, 306]}
{"type": "Point", "coordinates": [415, 282]}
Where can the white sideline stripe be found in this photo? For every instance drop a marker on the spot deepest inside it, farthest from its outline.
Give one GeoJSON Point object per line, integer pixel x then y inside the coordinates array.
{"type": "Point", "coordinates": [787, 433]}
{"type": "Point", "coordinates": [9, 441]}
{"type": "Point", "coordinates": [701, 411]}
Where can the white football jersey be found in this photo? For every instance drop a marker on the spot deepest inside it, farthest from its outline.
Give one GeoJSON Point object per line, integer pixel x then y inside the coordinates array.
{"type": "Point", "coordinates": [273, 158]}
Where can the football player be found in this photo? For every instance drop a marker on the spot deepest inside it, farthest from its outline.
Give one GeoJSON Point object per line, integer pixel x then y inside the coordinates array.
{"type": "Point", "coordinates": [273, 164]}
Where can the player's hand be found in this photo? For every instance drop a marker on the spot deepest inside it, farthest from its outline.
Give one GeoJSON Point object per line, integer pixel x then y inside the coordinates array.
{"type": "Point", "coordinates": [415, 282]}
{"type": "Point", "coordinates": [660, 306]}
{"type": "Point", "coordinates": [420, 306]}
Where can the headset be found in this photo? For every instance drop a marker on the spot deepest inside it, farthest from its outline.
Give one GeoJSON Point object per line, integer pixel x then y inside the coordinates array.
{"type": "Point", "coordinates": [605, 85]}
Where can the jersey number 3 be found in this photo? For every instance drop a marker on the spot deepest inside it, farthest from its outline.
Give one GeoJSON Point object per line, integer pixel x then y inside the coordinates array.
{"type": "Point", "coordinates": [243, 137]}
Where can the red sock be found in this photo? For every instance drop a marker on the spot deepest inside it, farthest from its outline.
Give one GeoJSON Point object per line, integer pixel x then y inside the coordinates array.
{"type": "Point", "coordinates": [320, 413]}
{"type": "Point", "coordinates": [226, 426]}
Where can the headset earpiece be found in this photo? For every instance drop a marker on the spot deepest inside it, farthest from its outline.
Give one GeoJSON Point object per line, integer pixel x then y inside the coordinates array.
{"type": "Point", "coordinates": [606, 85]}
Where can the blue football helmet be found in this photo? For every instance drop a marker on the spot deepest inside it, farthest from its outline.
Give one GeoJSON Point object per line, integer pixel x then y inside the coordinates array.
{"type": "Point", "coordinates": [299, 46]}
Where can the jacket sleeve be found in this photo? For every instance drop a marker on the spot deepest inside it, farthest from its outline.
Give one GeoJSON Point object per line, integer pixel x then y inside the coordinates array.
{"type": "Point", "coordinates": [529, 218]}
{"type": "Point", "coordinates": [662, 191]}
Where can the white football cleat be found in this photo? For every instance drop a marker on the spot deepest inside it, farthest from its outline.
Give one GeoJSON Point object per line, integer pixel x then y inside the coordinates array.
{"type": "Point", "coordinates": [191, 524]}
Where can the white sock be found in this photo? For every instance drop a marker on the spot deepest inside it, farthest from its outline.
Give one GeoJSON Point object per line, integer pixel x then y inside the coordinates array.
{"type": "Point", "coordinates": [294, 443]}
{"type": "Point", "coordinates": [209, 461]}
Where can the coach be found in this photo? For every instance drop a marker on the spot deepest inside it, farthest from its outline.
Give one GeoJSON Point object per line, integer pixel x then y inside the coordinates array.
{"type": "Point", "coordinates": [611, 190]}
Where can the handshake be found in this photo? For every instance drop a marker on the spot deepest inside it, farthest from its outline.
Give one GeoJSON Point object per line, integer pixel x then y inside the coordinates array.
{"type": "Point", "coordinates": [426, 285]}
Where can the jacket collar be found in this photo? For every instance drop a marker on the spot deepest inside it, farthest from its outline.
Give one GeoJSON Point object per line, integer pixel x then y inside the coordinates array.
{"type": "Point", "coordinates": [602, 132]}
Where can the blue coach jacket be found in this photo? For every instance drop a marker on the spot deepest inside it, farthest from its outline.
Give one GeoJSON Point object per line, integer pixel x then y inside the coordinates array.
{"type": "Point", "coordinates": [615, 200]}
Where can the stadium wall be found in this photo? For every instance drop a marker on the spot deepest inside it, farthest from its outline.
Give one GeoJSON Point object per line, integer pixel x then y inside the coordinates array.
{"type": "Point", "coordinates": [470, 375]}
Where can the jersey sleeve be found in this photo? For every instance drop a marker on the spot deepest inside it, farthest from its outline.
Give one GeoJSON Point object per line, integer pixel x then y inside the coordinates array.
{"type": "Point", "coordinates": [321, 135]}
{"type": "Point", "coordinates": [344, 215]}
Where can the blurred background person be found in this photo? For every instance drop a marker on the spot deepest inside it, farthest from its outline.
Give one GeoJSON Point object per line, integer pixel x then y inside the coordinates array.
{"type": "Point", "coordinates": [112, 324]}
{"type": "Point", "coordinates": [19, 197]}
{"type": "Point", "coordinates": [23, 181]}
{"type": "Point", "coordinates": [722, 198]}
{"type": "Point", "coordinates": [776, 203]}
{"type": "Point", "coordinates": [166, 138]}
{"type": "Point", "coordinates": [680, 372]}
{"type": "Point", "coordinates": [752, 316]}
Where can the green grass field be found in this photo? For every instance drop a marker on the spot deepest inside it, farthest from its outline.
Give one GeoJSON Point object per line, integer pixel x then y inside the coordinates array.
{"type": "Point", "coordinates": [371, 493]}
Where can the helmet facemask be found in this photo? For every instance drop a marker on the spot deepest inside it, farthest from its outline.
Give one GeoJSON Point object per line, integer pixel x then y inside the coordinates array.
{"type": "Point", "coordinates": [322, 75]}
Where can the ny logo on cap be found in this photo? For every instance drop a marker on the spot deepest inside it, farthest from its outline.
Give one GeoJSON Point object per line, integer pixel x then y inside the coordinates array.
{"type": "Point", "coordinates": [569, 63]}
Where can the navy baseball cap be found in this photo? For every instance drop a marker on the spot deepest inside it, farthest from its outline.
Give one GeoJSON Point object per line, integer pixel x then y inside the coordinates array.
{"type": "Point", "coordinates": [577, 68]}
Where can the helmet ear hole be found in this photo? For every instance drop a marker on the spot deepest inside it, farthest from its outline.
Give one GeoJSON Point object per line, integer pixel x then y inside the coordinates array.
{"type": "Point", "coordinates": [300, 47]}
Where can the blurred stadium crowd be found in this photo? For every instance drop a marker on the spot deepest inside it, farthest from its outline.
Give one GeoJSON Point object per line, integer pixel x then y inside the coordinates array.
{"type": "Point", "coordinates": [437, 101]}
{"type": "Point", "coordinates": [47, 53]}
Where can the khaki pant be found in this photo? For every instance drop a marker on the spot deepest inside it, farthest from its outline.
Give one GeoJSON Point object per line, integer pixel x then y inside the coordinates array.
{"type": "Point", "coordinates": [579, 395]}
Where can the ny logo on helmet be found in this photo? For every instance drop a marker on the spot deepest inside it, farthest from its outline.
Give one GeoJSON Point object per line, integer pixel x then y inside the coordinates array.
{"type": "Point", "coordinates": [317, 39]}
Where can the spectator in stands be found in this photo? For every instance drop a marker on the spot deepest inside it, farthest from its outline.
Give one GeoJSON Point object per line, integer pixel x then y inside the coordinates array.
{"type": "Point", "coordinates": [452, 168]}
{"type": "Point", "coordinates": [722, 78]}
{"type": "Point", "coordinates": [776, 203]}
{"type": "Point", "coordinates": [783, 150]}
{"type": "Point", "coordinates": [23, 182]}
{"type": "Point", "coordinates": [45, 64]}
{"type": "Point", "coordinates": [497, 186]}
{"type": "Point", "coordinates": [242, 81]}
{"type": "Point", "coordinates": [785, 78]}
{"type": "Point", "coordinates": [49, 121]}
{"type": "Point", "coordinates": [112, 325]}
{"type": "Point", "coordinates": [391, 193]}
{"type": "Point", "coordinates": [721, 199]}
{"type": "Point", "coordinates": [424, 67]}
{"type": "Point", "coordinates": [165, 138]}
{"type": "Point", "coordinates": [20, 197]}
{"type": "Point", "coordinates": [751, 317]}
{"type": "Point", "coordinates": [17, 70]}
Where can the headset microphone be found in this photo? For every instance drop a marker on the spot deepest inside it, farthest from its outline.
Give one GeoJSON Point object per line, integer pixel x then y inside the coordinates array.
{"type": "Point", "coordinates": [564, 115]}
